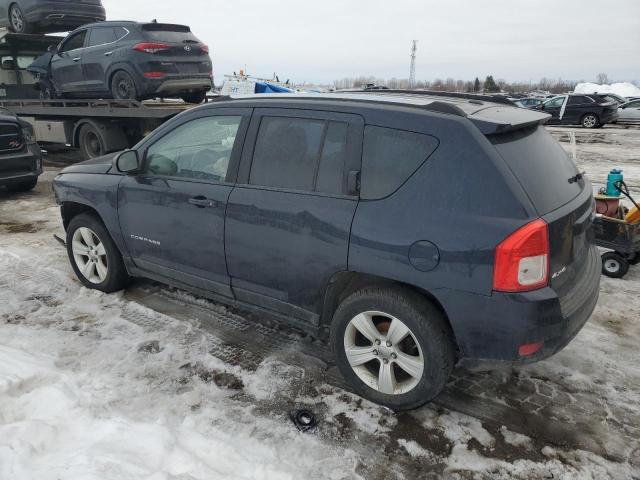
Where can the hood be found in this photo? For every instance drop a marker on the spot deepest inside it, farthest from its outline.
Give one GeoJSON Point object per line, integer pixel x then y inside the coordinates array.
{"type": "Point", "coordinates": [95, 165]}
{"type": "Point", "coordinates": [41, 64]}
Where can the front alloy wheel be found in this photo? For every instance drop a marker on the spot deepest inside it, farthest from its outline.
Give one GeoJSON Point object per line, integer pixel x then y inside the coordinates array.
{"type": "Point", "coordinates": [590, 121]}
{"type": "Point", "coordinates": [383, 353]}
{"type": "Point", "coordinates": [90, 255]}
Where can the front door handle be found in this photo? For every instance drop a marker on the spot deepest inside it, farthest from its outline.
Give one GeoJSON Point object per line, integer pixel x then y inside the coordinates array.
{"type": "Point", "coordinates": [77, 59]}
{"type": "Point", "coordinates": [203, 202]}
{"type": "Point", "coordinates": [108, 54]}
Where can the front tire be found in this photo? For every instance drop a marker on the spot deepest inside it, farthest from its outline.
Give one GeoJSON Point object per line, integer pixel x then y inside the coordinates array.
{"type": "Point", "coordinates": [123, 87]}
{"type": "Point", "coordinates": [94, 256]}
{"type": "Point", "coordinates": [17, 20]}
{"type": "Point", "coordinates": [590, 120]}
{"type": "Point", "coordinates": [392, 346]}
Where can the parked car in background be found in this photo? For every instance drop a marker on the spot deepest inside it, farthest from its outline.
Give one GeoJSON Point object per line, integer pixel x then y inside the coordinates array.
{"type": "Point", "coordinates": [590, 111]}
{"type": "Point", "coordinates": [20, 156]}
{"type": "Point", "coordinates": [127, 61]}
{"type": "Point", "coordinates": [629, 112]}
{"type": "Point", "coordinates": [530, 102]}
{"type": "Point", "coordinates": [360, 218]}
{"type": "Point", "coordinates": [47, 16]}
{"type": "Point", "coordinates": [610, 97]}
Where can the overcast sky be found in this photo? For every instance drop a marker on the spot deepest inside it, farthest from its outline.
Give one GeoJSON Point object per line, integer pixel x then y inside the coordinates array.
{"type": "Point", "coordinates": [322, 41]}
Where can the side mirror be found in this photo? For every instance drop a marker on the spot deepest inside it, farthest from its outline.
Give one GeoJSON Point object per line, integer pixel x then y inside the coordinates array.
{"type": "Point", "coordinates": [52, 48]}
{"type": "Point", "coordinates": [128, 162]}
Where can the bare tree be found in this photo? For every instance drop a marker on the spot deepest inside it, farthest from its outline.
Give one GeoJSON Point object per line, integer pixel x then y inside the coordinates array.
{"type": "Point", "coordinates": [602, 78]}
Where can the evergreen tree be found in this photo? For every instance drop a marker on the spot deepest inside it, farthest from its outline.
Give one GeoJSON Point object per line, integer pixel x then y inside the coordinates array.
{"type": "Point", "coordinates": [490, 85]}
{"type": "Point", "coordinates": [476, 85]}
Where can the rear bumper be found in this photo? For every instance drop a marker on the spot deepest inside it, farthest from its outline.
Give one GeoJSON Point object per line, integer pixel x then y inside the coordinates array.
{"type": "Point", "coordinates": [20, 167]}
{"type": "Point", "coordinates": [71, 15]}
{"type": "Point", "coordinates": [611, 117]}
{"type": "Point", "coordinates": [172, 86]}
{"type": "Point", "coordinates": [490, 330]}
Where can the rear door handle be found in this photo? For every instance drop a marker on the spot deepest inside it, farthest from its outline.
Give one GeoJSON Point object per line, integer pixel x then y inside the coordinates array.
{"type": "Point", "coordinates": [203, 202]}
{"type": "Point", "coordinates": [108, 54]}
{"type": "Point", "coordinates": [77, 59]}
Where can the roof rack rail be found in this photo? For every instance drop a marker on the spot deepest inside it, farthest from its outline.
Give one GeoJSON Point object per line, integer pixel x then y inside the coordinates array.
{"type": "Point", "coordinates": [444, 107]}
{"type": "Point", "coordinates": [467, 96]}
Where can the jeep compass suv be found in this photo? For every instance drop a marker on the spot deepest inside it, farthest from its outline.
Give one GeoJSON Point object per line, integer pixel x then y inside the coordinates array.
{"type": "Point", "coordinates": [412, 231]}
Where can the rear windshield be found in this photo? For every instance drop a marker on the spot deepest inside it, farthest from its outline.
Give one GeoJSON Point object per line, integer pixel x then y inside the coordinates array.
{"type": "Point", "coordinates": [541, 165]}
{"type": "Point", "coordinates": [162, 32]}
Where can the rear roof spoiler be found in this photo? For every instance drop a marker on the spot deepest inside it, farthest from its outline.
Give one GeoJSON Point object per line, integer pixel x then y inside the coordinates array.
{"type": "Point", "coordinates": [496, 120]}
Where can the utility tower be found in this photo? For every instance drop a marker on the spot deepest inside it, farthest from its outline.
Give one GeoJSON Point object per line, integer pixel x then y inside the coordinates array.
{"type": "Point", "coordinates": [412, 70]}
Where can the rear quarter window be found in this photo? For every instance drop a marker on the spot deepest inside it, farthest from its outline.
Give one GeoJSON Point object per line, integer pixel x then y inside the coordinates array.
{"type": "Point", "coordinates": [390, 157]}
{"type": "Point", "coordinates": [541, 166]}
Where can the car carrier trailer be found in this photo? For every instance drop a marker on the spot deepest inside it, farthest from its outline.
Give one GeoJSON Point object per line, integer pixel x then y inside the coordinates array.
{"type": "Point", "coordinates": [96, 127]}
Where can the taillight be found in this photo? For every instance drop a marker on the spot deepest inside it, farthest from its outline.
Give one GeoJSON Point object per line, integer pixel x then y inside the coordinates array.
{"type": "Point", "coordinates": [522, 259]}
{"type": "Point", "coordinates": [204, 48]}
{"type": "Point", "coordinates": [151, 47]}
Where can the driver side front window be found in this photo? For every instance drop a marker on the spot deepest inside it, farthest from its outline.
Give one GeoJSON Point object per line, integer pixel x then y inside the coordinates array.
{"type": "Point", "coordinates": [74, 42]}
{"type": "Point", "coordinates": [199, 149]}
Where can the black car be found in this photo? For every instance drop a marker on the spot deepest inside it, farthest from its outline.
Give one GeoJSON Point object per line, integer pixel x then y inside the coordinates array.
{"type": "Point", "coordinates": [127, 61]}
{"type": "Point", "coordinates": [590, 111]}
{"type": "Point", "coordinates": [47, 16]}
{"type": "Point", "coordinates": [413, 232]}
{"type": "Point", "coordinates": [528, 102]}
{"type": "Point", "coordinates": [20, 156]}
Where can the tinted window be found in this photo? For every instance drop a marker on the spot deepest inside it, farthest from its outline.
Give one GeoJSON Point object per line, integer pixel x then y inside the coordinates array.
{"type": "Point", "coordinates": [74, 42]}
{"type": "Point", "coordinates": [101, 35]}
{"type": "Point", "coordinates": [169, 33]}
{"type": "Point", "coordinates": [541, 165]}
{"type": "Point", "coordinates": [578, 100]}
{"type": "Point", "coordinates": [287, 152]}
{"type": "Point", "coordinates": [390, 157]}
{"type": "Point", "coordinates": [333, 159]}
{"type": "Point", "coordinates": [200, 149]}
{"type": "Point", "coordinates": [120, 32]}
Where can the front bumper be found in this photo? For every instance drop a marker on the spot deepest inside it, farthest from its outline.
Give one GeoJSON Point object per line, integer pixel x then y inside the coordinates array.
{"type": "Point", "coordinates": [490, 330]}
{"type": "Point", "coordinates": [20, 167]}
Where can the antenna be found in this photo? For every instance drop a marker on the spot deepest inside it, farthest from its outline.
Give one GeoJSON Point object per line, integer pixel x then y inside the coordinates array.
{"type": "Point", "coordinates": [412, 70]}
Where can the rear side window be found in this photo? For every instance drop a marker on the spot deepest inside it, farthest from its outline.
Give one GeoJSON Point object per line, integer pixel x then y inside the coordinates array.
{"type": "Point", "coordinates": [390, 157]}
{"type": "Point", "coordinates": [578, 100]}
{"type": "Point", "coordinates": [160, 32]}
{"type": "Point", "coordinates": [101, 36]}
{"type": "Point", "coordinates": [541, 165]}
{"type": "Point", "coordinates": [300, 154]}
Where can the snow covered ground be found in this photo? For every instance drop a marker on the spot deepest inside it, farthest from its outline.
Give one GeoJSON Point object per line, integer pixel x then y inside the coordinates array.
{"type": "Point", "coordinates": [157, 384]}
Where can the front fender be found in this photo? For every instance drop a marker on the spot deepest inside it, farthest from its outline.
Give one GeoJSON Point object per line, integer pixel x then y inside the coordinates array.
{"type": "Point", "coordinates": [98, 192]}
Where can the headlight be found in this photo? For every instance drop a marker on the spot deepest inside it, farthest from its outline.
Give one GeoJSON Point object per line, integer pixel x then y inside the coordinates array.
{"type": "Point", "coordinates": [28, 135]}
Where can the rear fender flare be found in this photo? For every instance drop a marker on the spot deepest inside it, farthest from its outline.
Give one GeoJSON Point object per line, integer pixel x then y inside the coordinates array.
{"type": "Point", "coordinates": [125, 67]}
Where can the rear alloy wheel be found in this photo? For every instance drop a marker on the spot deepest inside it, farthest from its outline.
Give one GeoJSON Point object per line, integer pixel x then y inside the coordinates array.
{"type": "Point", "coordinates": [614, 265]}
{"type": "Point", "coordinates": [123, 87]}
{"type": "Point", "coordinates": [590, 120]}
{"type": "Point", "coordinates": [94, 256]}
{"type": "Point", "coordinates": [197, 97]}
{"type": "Point", "coordinates": [392, 346]}
{"type": "Point", "coordinates": [17, 22]}
{"type": "Point", "coordinates": [90, 142]}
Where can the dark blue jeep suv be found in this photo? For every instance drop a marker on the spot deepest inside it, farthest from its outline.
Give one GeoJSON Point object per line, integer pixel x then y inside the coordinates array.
{"type": "Point", "coordinates": [412, 231]}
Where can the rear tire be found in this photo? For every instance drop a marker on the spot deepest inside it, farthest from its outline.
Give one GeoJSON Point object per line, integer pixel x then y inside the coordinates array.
{"type": "Point", "coordinates": [418, 361]}
{"type": "Point", "coordinates": [614, 265]}
{"type": "Point", "coordinates": [123, 87]}
{"type": "Point", "coordinates": [23, 186]}
{"type": "Point", "coordinates": [590, 120]}
{"type": "Point", "coordinates": [197, 97]}
{"type": "Point", "coordinates": [94, 256]}
{"type": "Point", "coordinates": [90, 142]}
{"type": "Point", "coordinates": [17, 21]}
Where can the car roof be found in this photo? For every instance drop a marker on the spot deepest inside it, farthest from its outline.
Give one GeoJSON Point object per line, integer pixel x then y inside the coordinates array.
{"type": "Point", "coordinates": [489, 115]}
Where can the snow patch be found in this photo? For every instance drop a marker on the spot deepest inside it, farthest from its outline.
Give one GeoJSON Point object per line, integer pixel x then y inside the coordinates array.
{"type": "Point", "coordinates": [624, 89]}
